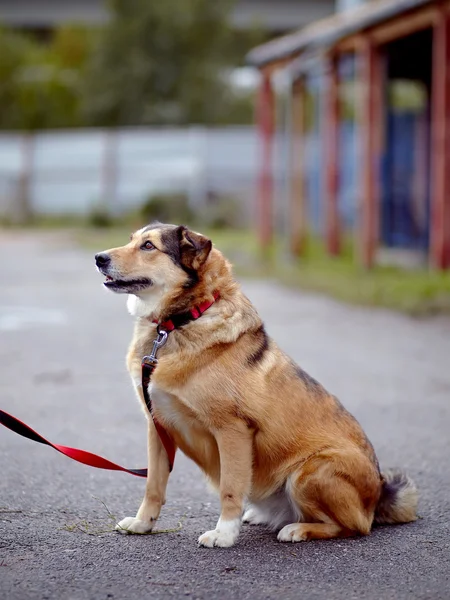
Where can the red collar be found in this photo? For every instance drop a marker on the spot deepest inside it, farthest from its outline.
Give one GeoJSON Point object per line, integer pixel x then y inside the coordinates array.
{"type": "Point", "coordinates": [180, 319]}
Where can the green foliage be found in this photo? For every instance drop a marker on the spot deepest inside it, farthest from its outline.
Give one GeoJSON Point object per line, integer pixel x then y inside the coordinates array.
{"type": "Point", "coordinates": [14, 52]}
{"type": "Point", "coordinates": [100, 218]}
{"type": "Point", "coordinates": [223, 212]}
{"type": "Point", "coordinates": [40, 85]}
{"type": "Point", "coordinates": [220, 212]}
{"type": "Point", "coordinates": [167, 208]}
{"type": "Point", "coordinates": [163, 63]}
{"type": "Point", "coordinates": [153, 63]}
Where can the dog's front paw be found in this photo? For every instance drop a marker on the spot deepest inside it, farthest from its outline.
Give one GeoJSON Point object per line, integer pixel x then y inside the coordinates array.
{"type": "Point", "coordinates": [223, 536]}
{"type": "Point", "coordinates": [133, 525]}
{"type": "Point", "coordinates": [216, 538]}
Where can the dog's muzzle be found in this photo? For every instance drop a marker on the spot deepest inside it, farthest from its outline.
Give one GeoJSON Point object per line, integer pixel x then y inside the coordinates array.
{"type": "Point", "coordinates": [114, 282]}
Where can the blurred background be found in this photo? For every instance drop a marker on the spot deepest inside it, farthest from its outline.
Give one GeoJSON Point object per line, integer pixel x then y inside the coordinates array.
{"type": "Point", "coordinates": [309, 137]}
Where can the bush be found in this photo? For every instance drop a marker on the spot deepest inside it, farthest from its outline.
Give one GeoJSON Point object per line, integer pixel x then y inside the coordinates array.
{"type": "Point", "coordinates": [223, 212]}
{"type": "Point", "coordinates": [169, 208]}
{"type": "Point", "coordinates": [100, 218]}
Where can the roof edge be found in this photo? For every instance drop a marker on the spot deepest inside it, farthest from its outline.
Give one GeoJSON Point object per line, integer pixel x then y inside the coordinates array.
{"type": "Point", "coordinates": [331, 29]}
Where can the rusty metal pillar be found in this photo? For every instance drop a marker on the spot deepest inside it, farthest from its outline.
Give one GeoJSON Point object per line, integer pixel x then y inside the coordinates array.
{"type": "Point", "coordinates": [440, 148]}
{"type": "Point", "coordinates": [332, 117]}
{"type": "Point", "coordinates": [298, 215]}
{"type": "Point", "coordinates": [371, 127]}
{"type": "Point", "coordinates": [265, 124]}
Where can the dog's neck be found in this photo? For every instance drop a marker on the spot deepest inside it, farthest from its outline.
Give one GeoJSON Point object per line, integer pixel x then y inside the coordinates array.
{"type": "Point", "coordinates": [142, 307]}
{"type": "Point", "coordinates": [165, 307]}
{"type": "Point", "coordinates": [160, 304]}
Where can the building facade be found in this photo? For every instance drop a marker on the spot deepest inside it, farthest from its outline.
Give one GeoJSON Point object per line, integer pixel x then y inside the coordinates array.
{"type": "Point", "coordinates": [369, 130]}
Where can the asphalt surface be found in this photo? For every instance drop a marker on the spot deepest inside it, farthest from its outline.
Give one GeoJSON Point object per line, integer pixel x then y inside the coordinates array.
{"type": "Point", "coordinates": [62, 345]}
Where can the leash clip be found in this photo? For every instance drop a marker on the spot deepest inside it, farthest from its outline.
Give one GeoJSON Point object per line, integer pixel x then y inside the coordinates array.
{"type": "Point", "coordinates": [151, 360]}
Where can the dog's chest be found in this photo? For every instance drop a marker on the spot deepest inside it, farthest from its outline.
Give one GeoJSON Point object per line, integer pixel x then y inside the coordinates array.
{"type": "Point", "coordinates": [168, 411]}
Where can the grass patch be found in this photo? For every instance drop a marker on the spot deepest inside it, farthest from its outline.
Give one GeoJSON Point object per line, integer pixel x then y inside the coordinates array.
{"type": "Point", "coordinates": [416, 292]}
{"type": "Point", "coordinates": [88, 528]}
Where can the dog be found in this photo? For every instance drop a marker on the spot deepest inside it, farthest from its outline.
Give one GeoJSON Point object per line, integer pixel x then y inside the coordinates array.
{"type": "Point", "coordinates": [266, 434]}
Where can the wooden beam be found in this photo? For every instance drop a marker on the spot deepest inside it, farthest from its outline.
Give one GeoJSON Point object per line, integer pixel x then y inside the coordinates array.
{"type": "Point", "coordinates": [270, 68]}
{"type": "Point", "coordinates": [349, 44]}
{"type": "Point", "coordinates": [298, 213]}
{"type": "Point", "coordinates": [440, 203]}
{"type": "Point", "coordinates": [371, 127]}
{"type": "Point", "coordinates": [401, 26]}
{"type": "Point", "coordinates": [332, 117]}
{"type": "Point", "coordinates": [404, 25]}
{"type": "Point", "coordinates": [266, 125]}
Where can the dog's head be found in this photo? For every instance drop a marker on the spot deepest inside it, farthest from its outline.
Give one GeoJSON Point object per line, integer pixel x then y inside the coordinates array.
{"type": "Point", "coordinates": [159, 259]}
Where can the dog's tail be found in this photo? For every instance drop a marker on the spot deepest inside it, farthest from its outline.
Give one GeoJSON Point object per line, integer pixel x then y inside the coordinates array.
{"type": "Point", "coordinates": [398, 501]}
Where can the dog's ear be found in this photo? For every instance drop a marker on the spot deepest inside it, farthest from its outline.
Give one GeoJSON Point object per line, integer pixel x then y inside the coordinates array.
{"type": "Point", "coordinates": [194, 248]}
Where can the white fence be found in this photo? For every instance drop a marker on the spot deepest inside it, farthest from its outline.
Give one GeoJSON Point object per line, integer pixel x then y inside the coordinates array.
{"type": "Point", "coordinates": [75, 172]}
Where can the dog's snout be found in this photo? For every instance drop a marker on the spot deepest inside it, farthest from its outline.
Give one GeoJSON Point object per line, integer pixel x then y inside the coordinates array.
{"type": "Point", "coordinates": [102, 259]}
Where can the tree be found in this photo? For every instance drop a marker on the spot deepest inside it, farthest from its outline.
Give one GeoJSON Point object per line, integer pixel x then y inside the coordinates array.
{"type": "Point", "coordinates": [40, 84]}
{"type": "Point", "coordinates": [160, 62]}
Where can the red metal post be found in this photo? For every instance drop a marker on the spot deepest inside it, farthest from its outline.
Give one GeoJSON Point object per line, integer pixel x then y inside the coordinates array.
{"type": "Point", "coordinates": [440, 203]}
{"type": "Point", "coordinates": [298, 217]}
{"type": "Point", "coordinates": [332, 221]}
{"type": "Point", "coordinates": [265, 123]}
{"type": "Point", "coordinates": [371, 127]}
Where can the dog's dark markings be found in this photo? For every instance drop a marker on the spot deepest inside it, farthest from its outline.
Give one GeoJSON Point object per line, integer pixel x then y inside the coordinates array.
{"type": "Point", "coordinates": [390, 490]}
{"type": "Point", "coordinates": [311, 384]}
{"type": "Point", "coordinates": [340, 410]}
{"type": "Point", "coordinates": [251, 424]}
{"type": "Point", "coordinates": [171, 245]}
{"type": "Point", "coordinates": [260, 336]}
{"type": "Point", "coordinates": [170, 240]}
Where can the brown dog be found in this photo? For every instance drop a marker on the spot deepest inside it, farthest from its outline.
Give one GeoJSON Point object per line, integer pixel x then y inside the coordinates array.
{"type": "Point", "coordinates": [262, 430]}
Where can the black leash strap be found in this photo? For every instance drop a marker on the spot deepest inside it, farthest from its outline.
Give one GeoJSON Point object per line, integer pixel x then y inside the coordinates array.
{"type": "Point", "coordinates": [81, 456]}
{"type": "Point", "coordinates": [149, 364]}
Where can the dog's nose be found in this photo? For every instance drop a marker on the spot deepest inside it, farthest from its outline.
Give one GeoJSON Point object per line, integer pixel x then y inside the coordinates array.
{"type": "Point", "coordinates": [102, 259]}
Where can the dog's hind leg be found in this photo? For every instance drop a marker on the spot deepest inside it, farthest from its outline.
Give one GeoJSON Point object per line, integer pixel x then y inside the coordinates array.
{"type": "Point", "coordinates": [335, 501]}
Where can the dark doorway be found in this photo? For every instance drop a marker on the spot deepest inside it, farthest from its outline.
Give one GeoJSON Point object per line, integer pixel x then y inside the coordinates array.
{"type": "Point", "coordinates": [405, 199]}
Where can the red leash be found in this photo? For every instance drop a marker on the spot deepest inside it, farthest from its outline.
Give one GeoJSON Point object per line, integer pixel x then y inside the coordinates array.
{"type": "Point", "coordinates": [87, 458]}
{"type": "Point", "coordinates": [149, 364]}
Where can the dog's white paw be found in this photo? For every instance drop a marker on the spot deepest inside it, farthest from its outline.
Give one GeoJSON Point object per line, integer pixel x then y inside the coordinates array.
{"type": "Point", "coordinates": [292, 533]}
{"type": "Point", "coordinates": [133, 525]}
{"type": "Point", "coordinates": [216, 538]}
{"type": "Point", "coordinates": [253, 517]}
{"type": "Point", "coordinates": [223, 536]}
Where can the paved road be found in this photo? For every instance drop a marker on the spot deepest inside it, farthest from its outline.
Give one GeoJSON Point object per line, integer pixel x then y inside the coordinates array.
{"type": "Point", "coordinates": [62, 345]}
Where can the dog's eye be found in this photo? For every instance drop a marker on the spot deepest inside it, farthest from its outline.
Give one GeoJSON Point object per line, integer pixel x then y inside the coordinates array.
{"type": "Point", "coordinates": [147, 246]}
